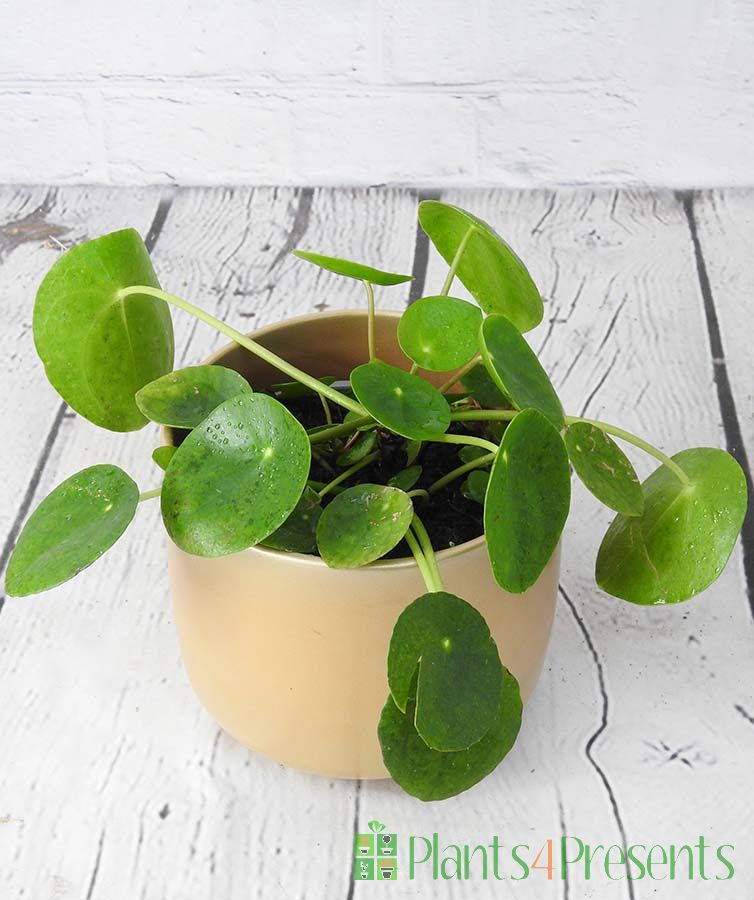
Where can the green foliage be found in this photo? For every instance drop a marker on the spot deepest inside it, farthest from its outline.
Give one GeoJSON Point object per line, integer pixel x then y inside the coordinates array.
{"type": "Point", "coordinates": [71, 528]}
{"type": "Point", "coordinates": [680, 543]}
{"type": "Point", "coordinates": [163, 455]}
{"type": "Point", "coordinates": [237, 478]}
{"type": "Point", "coordinates": [491, 272]}
{"type": "Point", "coordinates": [352, 269]}
{"type": "Point", "coordinates": [439, 333]}
{"type": "Point", "coordinates": [362, 524]}
{"type": "Point", "coordinates": [186, 397]}
{"type": "Point", "coordinates": [406, 478]}
{"type": "Point", "coordinates": [475, 486]}
{"type": "Point", "coordinates": [298, 533]}
{"type": "Point", "coordinates": [604, 468]}
{"type": "Point", "coordinates": [527, 501]}
{"type": "Point", "coordinates": [97, 348]}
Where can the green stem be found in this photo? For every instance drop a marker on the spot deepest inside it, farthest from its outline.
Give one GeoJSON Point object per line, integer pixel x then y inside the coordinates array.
{"type": "Point", "coordinates": [418, 492]}
{"type": "Point", "coordinates": [427, 549]}
{"type": "Point", "coordinates": [148, 495]}
{"type": "Point", "coordinates": [370, 321]}
{"type": "Point", "coordinates": [346, 473]}
{"type": "Point", "coordinates": [455, 263]}
{"type": "Point", "coordinates": [426, 572]}
{"type": "Point", "coordinates": [466, 439]}
{"type": "Point", "coordinates": [464, 370]}
{"type": "Point", "coordinates": [257, 349]}
{"type": "Point", "coordinates": [320, 435]}
{"type": "Point", "coordinates": [326, 407]}
{"type": "Point", "coordinates": [637, 442]}
{"type": "Point", "coordinates": [414, 369]}
{"type": "Point", "coordinates": [482, 415]}
{"type": "Point", "coordinates": [477, 463]}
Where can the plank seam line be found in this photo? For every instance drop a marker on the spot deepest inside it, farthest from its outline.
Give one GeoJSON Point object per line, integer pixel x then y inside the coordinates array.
{"type": "Point", "coordinates": [356, 808]}
{"type": "Point", "coordinates": [421, 252]}
{"type": "Point", "coordinates": [731, 425]}
{"type": "Point", "coordinates": [601, 728]}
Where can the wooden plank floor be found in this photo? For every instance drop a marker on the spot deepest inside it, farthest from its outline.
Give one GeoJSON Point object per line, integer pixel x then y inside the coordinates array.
{"type": "Point", "coordinates": [114, 783]}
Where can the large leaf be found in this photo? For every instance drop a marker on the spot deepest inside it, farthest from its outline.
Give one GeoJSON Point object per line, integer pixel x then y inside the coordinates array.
{"type": "Point", "coordinates": [515, 369]}
{"type": "Point", "coordinates": [99, 350]}
{"type": "Point", "coordinates": [433, 775]}
{"type": "Point", "coordinates": [440, 333]}
{"type": "Point", "coordinates": [684, 537]}
{"type": "Point", "coordinates": [237, 478]}
{"type": "Point", "coordinates": [458, 685]}
{"type": "Point", "coordinates": [604, 468]}
{"type": "Point", "coordinates": [527, 501]}
{"type": "Point", "coordinates": [298, 533]}
{"type": "Point", "coordinates": [362, 524]}
{"type": "Point", "coordinates": [404, 403]}
{"type": "Point", "coordinates": [478, 382]}
{"type": "Point", "coordinates": [352, 269]}
{"type": "Point", "coordinates": [185, 398]}
{"type": "Point", "coordinates": [71, 528]}
{"type": "Point", "coordinates": [489, 269]}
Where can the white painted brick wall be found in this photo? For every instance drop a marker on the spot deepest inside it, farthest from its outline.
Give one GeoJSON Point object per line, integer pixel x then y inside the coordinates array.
{"type": "Point", "coordinates": [422, 92]}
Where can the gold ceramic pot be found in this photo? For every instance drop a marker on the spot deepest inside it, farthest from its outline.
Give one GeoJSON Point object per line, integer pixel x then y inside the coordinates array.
{"type": "Point", "coordinates": [288, 655]}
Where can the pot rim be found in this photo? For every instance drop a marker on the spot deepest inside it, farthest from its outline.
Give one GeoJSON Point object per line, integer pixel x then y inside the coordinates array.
{"type": "Point", "coordinates": [308, 558]}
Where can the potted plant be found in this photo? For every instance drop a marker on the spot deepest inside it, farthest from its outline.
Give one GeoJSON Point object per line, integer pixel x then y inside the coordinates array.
{"type": "Point", "coordinates": [317, 472]}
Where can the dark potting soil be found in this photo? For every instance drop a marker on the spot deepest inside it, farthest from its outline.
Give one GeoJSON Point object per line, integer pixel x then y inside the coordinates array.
{"type": "Point", "coordinates": [449, 517]}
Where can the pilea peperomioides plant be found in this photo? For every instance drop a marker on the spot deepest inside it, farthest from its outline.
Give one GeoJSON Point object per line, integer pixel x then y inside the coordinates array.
{"type": "Point", "coordinates": [352, 487]}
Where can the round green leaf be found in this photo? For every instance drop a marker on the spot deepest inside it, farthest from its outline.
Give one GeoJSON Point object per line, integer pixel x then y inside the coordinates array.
{"type": "Point", "coordinates": [99, 350]}
{"type": "Point", "coordinates": [404, 403]}
{"type": "Point", "coordinates": [515, 369]}
{"type": "Point", "coordinates": [527, 501]}
{"type": "Point", "coordinates": [298, 533]}
{"type": "Point", "coordinates": [475, 486]}
{"type": "Point", "coordinates": [362, 524]}
{"type": "Point", "coordinates": [681, 542]}
{"type": "Point", "coordinates": [470, 452]}
{"type": "Point", "coordinates": [361, 447]}
{"type": "Point", "coordinates": [71, 528]}
{"type": "Point", "coordinates": [489, 269]}
{"type": "Point", "coordinates": [604, 468]}
{"type": "Point", "coordinates": [352, 269]}
{"type": "Point", "coordinates": [440, 333]}
{"type": "Point", "coordinates": [458, 685]}
{"type": "Point", "coordinates": [406, 478]}
{"type": "Point", "coordinates": [185, 398]}
{"type": "Point", "coordinates": [163, 455]}
{"type": "Point", "coordinates": [433, 775]}
{"type": "Point", "coordinates": [237, 478]}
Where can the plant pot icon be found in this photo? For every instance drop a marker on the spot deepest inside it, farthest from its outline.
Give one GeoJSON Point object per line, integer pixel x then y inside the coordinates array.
{"type": "Point", "coordinates": [387, 869]}
{"type": "Point", "coordinates": [386, 872]}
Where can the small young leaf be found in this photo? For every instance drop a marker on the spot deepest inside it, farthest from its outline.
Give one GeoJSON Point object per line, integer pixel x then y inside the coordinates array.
{"type": "Point", "coordinates": [361, 447]}
{"type": "Point", "coordinates": [362, 524]}
{"type": "Point", "coordinates": [413, 448]}
{"type": "Point", "coordinates": [483, 389]}
{"type": "Point", "coordinates": [406, 478]}
{"type": "Point", "coordinates": [98, 349]}
{"type": "Point", "coordinates": [294, 390]}
{"type": "Point", "coordinates": [237, 478]}
{"type": "Point", "coordinates": [298, 533]}
{"type": "Point", "coordinates": [163, 455]}
{"type": "Point", "coordinates": [527, 501]}
{"type": "Point", "coordinates": [604, 468]}
{"type": "Point", "coordinates": [475, 486]}
{"type": "Point", "coordinates": [681, 542]}
{"type": "Point", "coordinates": [352, 269]}
{"type": "Point", "coordinates": [492, 273]}
{"type": "Point", "coordinates": [71, 528]}
{"type": "Point", "coordinates": [440, 333]}
{"type": "Point", "coordinates": [184, 399]}
{"type": "Point", "coordinates": [458, 686]}
{"type": "Point", "coordinates": [404, 403]}
{"type": "Point", "coordinates": [469, 453]}
{"type": "Point", "coordinates": [515, 369]}
{"type": "Point", "coordinates": [432, 775]}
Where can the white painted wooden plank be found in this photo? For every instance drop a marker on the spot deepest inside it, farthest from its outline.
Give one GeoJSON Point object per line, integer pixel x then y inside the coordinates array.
{"type": "Point", "coordinates": [94, 668]}
{"type": "Point", "coordinates": [31, 221]}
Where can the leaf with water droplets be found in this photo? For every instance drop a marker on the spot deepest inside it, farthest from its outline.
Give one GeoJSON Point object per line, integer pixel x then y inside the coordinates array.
{"type": "Point", "coordinates": [404, 403]}
{"type": "Point", "coordinates": [237, 478]}
{"type": "Point", "coordinates": [681, 542]}
{"type": "Point", "coordinates": [186, 397]}
{"type": "Point", "coordinates": [457, 689]}
{"type": "Point", "coordinates": [439, 333]}
{"type": "Point", "coordinates": [298, 533]}
{"type": "Point", "coordinates": [71, 528]}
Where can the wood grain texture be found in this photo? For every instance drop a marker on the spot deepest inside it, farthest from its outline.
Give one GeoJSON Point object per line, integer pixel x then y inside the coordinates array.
{"type": "Point", "coordinates": [114, 783]}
